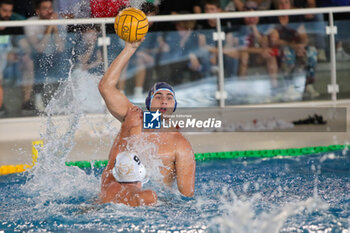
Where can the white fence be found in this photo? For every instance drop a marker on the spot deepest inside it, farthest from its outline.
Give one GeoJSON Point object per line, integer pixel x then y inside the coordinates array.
{"type": "Point", "coordinates": [331, 31]}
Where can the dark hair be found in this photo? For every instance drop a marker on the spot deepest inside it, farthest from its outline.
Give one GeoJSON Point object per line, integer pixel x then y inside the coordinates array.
{"type": "Point", "coordinates": [9, 2]}
{"type": "Point", "coordinates": [37, 3]}
{"type": "Point", "coordinates": [213, 2]}
{"type": "Point", "coordinates": [148, 7]}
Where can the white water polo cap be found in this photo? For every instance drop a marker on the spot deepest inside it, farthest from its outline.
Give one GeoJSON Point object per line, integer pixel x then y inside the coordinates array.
{"type": "Point", "coordinates": [128, 168]}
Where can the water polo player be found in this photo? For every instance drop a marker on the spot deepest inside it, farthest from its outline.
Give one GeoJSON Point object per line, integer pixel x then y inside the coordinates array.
{"type": "Point", "coordinates": [173, 148]}
{"type": "Point", "coordinates": [129, 174]}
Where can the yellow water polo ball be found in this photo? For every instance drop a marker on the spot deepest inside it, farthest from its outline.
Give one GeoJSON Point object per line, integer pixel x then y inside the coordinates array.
{"type": "Point", "coordinates": [131, 24]}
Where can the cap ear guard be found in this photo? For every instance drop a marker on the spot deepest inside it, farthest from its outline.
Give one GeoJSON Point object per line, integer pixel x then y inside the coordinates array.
{"type": "Point", "coordinates": [148, 102]}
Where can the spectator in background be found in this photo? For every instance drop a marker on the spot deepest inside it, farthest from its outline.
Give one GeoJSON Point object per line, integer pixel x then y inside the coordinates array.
{"type": "Point", "coordinates": [18, 71]}
{"type": "Point", "coordinates": [69, 10]}
{"type": "Point", "coordinates": [6, 13]}
{"type": "Point", "coordinates": [253, 45]}
{"type": "Point", "coordinates": [89, 54]}
{"type": "Point", "coordinates": [206, 28]}
{"type": "Point", "coordinates": [88, 69]}
{"type": "Point", "coordinates": [314, 25]}
{"type": "Point", "coordinates": [238, 5]}
{"type": "Point", "coordinates": [341, 21]}
{"type": "Point", "coordinates": [47, 43]}
{"type": "Point", "coordinates": [5, 45]}
{"type": "Point", "coordinates": [182, 57]}
{"type": "Point", "coordinates": [4, 49]}
{"type": "Point", "coordinates": [73, 8]}
{"type": "Point", "coordinates": [289, 37]}
{"type": "Point", "coordinates": [167, 7]}
{"type": "Point", "coordinates": [12, 81]}
{"type": "Point", "coordinates": [208, 46]}
{"type": "Point", "coordinates": [171, 7]}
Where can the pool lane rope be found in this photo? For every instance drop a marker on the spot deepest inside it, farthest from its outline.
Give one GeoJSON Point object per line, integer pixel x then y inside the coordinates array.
{"type": "Point", "coordinates": [37, 145]}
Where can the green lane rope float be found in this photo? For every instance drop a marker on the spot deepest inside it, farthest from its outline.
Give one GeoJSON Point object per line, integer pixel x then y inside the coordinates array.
{"type": "Point", "coordinates": [9, 169]}
{"type": "Point", "coordinates": [270, 153]}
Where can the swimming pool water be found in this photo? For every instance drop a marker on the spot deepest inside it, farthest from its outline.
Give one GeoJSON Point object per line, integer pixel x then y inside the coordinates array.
{"type": "Point", "coordinates": [290, 194]}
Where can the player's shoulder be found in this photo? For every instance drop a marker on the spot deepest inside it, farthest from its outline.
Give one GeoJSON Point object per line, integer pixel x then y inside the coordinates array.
{"type": "Point", "coordinates": [181, 140]}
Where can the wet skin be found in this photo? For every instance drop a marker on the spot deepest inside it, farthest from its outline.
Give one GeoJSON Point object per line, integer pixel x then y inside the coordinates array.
{"type": "Point", "coordinates": [173, 148]}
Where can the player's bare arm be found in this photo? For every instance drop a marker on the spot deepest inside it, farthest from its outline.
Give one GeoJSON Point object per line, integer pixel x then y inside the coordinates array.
{"type": "Point", "coordinates": [116, 101]}
{"type": "Point", "coordinates": [185, 166]}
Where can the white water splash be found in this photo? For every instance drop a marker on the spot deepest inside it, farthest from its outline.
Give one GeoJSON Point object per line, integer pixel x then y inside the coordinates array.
{"type": "Point", "coordinates": [148, 153]}
{"type": "Point", "coordinates": [50, 179]}
{"type": "Point", "coordinates": [136, 3]}
{"type": "Point", "coordinates": [240, 215]}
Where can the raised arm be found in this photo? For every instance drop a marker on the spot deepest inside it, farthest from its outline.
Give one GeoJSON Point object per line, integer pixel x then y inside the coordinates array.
{"type": "Point", "coordinates": [185, 168]}
{"type": "Point", "coordinates": [116, 101]}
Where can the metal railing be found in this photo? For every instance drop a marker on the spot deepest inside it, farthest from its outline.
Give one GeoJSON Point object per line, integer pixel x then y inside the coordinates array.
{"type": "Point", "coordinates": [331, 31]}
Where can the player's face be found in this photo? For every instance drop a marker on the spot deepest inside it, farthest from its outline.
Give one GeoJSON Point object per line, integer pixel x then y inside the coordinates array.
{"type": "Point", "coordinates": [163, 101]}
{"type": "Point", "coordinates": [6, 11]}
{"type": "Point", "coordinates": [45, 10]}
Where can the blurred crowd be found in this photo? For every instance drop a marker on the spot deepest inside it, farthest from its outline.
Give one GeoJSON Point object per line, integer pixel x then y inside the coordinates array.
{"type": "Point", "coordinates": [34, 60]}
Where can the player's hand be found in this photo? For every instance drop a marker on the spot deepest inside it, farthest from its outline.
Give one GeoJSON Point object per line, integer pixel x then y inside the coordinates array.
{"type": "Point", "coordinates": [133, 117]}
{"type": "Point", "coordinates": [134, 45]}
